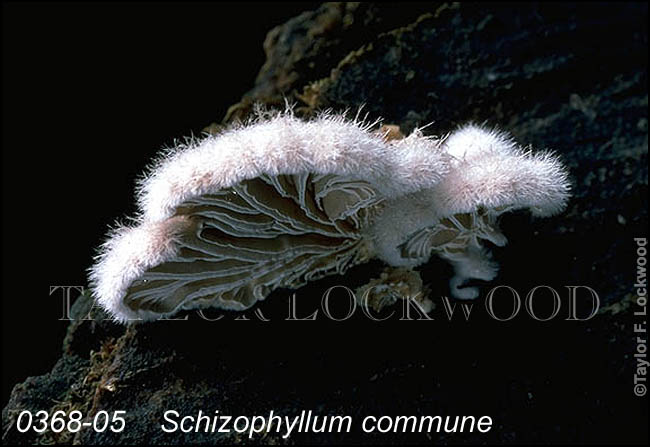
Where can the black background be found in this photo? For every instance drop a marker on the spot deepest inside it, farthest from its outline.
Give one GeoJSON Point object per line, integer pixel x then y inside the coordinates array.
{"type": "Point", "coordinates": [90, 93]}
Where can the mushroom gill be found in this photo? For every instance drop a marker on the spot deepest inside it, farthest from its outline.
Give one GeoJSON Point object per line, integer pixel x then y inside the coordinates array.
{"type": "Point", "coordinates": [259, 235]}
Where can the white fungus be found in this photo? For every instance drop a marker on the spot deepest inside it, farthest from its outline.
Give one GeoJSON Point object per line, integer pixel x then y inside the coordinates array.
{"type": "Point", "coordinates": [227, 219]}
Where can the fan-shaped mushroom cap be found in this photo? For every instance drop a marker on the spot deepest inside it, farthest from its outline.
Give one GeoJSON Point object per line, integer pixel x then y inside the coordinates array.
{"type": "Point", "coordinates": [227, 219]}
{"type": "Point", "coordinates": [273, 204]}
{"type": "Point", "coordinates": [489, 170]}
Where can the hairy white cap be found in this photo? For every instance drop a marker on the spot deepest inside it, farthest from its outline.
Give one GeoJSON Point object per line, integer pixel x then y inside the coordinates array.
{"type": "Point", "coordinates": [126, 255]}
{"type": "Point", "coordinates": [491, 171]}
{"type": "Point", "coordinates": [284, 144]}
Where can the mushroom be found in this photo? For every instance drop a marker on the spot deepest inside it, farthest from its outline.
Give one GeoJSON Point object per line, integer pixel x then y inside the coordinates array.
{"type": "Point", "coordinates": [279, 202]}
